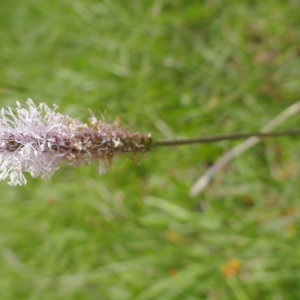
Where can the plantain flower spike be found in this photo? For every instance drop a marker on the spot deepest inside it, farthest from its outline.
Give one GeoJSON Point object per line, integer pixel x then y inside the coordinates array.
{"type": "Point", "coordinates": [39, 140]}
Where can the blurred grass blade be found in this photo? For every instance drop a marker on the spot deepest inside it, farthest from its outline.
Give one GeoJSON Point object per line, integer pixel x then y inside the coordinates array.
{"type": "Point", "coordinates": [170, 208]}
{"type": "Point", "coordinates": [205, 179]}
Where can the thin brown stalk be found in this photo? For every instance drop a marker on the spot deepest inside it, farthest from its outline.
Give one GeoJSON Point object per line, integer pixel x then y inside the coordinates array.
{"type": "Point", "coordinates": [218, 138]}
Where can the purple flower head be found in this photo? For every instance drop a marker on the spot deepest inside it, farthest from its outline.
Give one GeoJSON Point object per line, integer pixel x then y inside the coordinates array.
{"type": "Point", "coordinates": [39, 140]}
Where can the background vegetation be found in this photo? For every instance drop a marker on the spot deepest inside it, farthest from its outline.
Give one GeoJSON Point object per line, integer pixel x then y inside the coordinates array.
{"type": "Point", "coordinates": [177, 69]}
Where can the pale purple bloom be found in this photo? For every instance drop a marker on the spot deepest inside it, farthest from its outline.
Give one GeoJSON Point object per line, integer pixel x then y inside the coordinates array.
{"type": "Point", "coordinates": [39, 140]}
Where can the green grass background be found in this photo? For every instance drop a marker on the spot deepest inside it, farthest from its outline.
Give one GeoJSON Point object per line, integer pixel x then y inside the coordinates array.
{"type": "Point", "coordinates": [175, 68]}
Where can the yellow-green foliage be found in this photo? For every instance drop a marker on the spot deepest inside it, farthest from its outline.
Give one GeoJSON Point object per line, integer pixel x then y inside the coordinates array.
{"type": "Point", "coordinates": [176, 68]}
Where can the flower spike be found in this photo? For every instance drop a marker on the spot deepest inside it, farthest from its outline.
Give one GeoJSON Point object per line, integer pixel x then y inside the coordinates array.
{"type": "Point", "coordinates": [39, 140]}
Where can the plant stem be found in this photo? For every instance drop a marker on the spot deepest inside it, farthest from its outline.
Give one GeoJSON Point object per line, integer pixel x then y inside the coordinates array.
{"type": "Point", "coordinates": [213, 139]}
